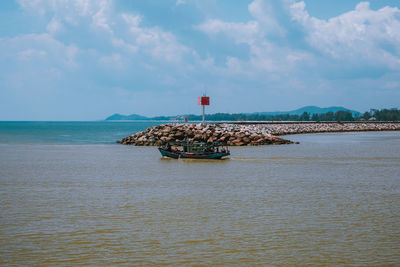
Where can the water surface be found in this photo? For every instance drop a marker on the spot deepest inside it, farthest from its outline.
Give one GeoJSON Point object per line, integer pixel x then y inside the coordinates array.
{"type": "Point", "coordinates": [41, 132]}
{"type": "Point", "coordinates": [332, 199]}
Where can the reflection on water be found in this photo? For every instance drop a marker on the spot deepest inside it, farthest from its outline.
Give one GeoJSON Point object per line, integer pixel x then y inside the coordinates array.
{"type": "Point", "coordinates": [333, 199]}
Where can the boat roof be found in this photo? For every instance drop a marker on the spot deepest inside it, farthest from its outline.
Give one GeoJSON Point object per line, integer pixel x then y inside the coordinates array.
{"type": "Point", "coordinates": [182, 143]}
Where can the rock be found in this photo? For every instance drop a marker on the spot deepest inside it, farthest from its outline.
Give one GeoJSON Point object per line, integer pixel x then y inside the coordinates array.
{"type": "Point", "coordinates": [189, 133]}
{"type": "Point", "coordinates": [237, 141]}
{"type": "Point", "coordinates": [235, 134]}
{"type": "Point", "coordinates": [166, 130]}
{"type": "Point", "coordinates": [197, 137]}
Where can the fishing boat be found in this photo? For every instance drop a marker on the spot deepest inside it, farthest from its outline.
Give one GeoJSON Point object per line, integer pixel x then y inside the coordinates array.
{"type": "Point", "coordinates": [186, 150]}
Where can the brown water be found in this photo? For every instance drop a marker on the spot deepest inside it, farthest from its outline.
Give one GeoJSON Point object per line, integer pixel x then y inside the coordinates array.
{"type": "Point", "coordinates": [333, 199]}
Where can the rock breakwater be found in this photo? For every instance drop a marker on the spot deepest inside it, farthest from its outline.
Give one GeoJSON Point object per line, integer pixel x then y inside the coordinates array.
{"type": "Point", "coordinates": [244, 134]}
{"type": "Point", "coordinates": [230, 134]}
{"type": "Point", "coordinates": [329, 127]}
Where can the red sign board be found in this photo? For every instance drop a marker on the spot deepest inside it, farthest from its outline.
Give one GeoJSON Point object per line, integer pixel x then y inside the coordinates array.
{"type": "Point", "coordinates": [204, 100]}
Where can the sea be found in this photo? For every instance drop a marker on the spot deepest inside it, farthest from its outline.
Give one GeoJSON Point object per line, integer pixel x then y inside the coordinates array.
{"type": "Point", "coordinates": [70, 195]}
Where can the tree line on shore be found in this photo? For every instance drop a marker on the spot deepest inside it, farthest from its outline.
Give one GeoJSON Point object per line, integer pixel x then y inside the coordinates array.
{"type": "Point", "coordinates": [341, 115]}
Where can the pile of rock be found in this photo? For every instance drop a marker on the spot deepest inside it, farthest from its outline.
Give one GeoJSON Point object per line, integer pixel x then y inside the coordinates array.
{"type": "Point", "coordinates": [245, 134]}
{"type": "Point", "coordinates": [229, 134]}
{"type": "Point", "coordinates": [298, 128]}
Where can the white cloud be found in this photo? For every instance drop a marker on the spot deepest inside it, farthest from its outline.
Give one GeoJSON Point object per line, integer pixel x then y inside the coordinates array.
{"type": "Point", "coordinates": [114, 61]}
{"type": "Point", "coordinates": [54, 26]}
{"type": "Point", "coordinates": [153, 40]}
{"type": "Point", "coordinates": [35, 6]}
{"type": "Point", "coordinates": [357, 38]}
{"type": "Point", "coordinates": [72, 11]}
{"type": "Point", "coordinates": [33, 68]}
{"type": "Point", "coordinates": [360, 35]}
{"type": "Point", "coordinates": [240, 32]}
{"type": "Point", "coordinates": [267, 58]}
{"type": "Point", "coordinates": [100, 18]}
{"type": "Point", "coordinates": [265, 12]}
{"type": "Point", "coordinates": [120, 43]}
{"type": "Point", "coordinates": [123, 31]}
{"type": "Point", "coordinates": [29, 54]}
{"type": "Point", "coordinates": [132, 20]}
{"type": "Point", "coordinates": [32, 47]}
{"type": "Point", "coordinates": [180, 2]}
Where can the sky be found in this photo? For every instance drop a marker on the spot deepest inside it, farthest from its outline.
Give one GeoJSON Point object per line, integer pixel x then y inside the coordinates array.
{"type": "Point", "coordinates": [88, 59]}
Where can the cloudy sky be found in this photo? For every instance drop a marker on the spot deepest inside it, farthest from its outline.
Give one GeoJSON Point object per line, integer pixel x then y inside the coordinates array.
{"type": "Point", "coordinates": [88, 59]}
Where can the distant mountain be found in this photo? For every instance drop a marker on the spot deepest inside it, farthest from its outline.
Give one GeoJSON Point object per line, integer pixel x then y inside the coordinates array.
{"type": "Point", "coordinates": [132, 117]}
{"type": "Point", "coordinates": [310, 110]}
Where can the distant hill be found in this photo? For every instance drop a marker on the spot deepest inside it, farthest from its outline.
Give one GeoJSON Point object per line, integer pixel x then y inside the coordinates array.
{"type": "Point", "coordinates": [132, 117]}
{"type": "Point", "coordinates": [310, 110]}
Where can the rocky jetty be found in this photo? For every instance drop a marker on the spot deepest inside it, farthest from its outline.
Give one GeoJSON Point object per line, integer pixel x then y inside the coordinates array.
{"type": "Point", "coordinates": [328, 127]}
{"type": "Point", "coordinates": [237, 134]}
{"type": "Point", "coordinates": [230, 134]}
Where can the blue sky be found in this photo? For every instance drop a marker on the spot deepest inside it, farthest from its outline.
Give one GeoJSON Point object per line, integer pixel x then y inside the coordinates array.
{"type": "Point", "coordinates": [88, 59]}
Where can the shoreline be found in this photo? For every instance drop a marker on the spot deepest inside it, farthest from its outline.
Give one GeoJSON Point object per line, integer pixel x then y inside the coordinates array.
{"type": "Point", "coordinates": [246, 133]}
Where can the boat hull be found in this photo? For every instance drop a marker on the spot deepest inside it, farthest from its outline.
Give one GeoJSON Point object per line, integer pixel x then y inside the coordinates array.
{"type": "Point", "coordinates": [183, 155]}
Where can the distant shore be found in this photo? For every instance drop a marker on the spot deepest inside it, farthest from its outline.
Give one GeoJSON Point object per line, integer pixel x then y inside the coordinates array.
{"type": "Point", "coordinates": [246, 133]}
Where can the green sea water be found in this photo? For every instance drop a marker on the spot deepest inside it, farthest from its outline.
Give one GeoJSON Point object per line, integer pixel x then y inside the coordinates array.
{"type": "Point", "coordinates": [69, 132]}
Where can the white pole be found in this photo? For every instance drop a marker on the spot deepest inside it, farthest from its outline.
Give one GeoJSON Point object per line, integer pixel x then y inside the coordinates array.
{"type": "Point", "coordinates": [203, 113]}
